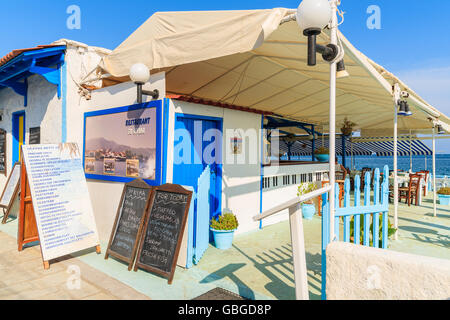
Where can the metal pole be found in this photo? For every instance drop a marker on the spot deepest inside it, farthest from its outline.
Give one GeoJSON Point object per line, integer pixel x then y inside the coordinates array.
{"type": "Point", "coordinates": [396, 91]}
{"type": "Point", "coordinates": [410, 152]}
{"type": "Point", "coordinates": [298, 253]}
{"type": "Point", "coordinates": [344, 151]}
{"type": "Point", "coordinates": [434, 174]}
{"type": "Point", "coordinates": [313, 143]}
{"type": "Point", "coordinates": [353, 158]}
{"type": "Point", "coordinates": [333, 71]}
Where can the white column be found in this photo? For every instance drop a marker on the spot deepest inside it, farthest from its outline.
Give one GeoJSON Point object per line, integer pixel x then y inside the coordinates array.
{"type": "Point", "coordinates": [410, 152]}
{"type": "Point", "coordinates": [333, 71]}
{"type": "Point", "coordinates": [395, 161]}
{"type": "Point", "coordinates": [298, 253]}
{"type": "Point", "coordinates": [434, 174]}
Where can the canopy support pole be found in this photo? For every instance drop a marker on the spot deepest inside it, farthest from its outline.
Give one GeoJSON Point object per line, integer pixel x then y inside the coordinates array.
{"type": "Point", "coordinates": [434, 174]}
{"type": "Point", "coordinates": [410, 153]}
{"type": "Point", "coordinates": [353, 157]}
{"type": "Point", "coordinates": [344, 152]}
{"type": "Point", "coordinates": [396, 93]}
{"type": "Point", "coordinates": [333, 74]}
{"type": "Point", "coordinates": [313, 143]}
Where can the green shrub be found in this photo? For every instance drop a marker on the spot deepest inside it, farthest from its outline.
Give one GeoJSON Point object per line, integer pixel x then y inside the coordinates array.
{"type": "Point", "coordinates": [391, 231]}
{"type": "Point", "coordinates": [322, 151]}
{"type": "Point", "coordinates": [444, 191]}
{"type": "Point", "coordinates": [225, 222]}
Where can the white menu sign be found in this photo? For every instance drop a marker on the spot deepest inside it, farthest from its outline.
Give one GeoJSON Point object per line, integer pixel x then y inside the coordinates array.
{"type": "Point", "coordinates": [61, 200]}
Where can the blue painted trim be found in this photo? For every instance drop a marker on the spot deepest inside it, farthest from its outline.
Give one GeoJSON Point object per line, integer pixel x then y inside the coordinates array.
{"type": "Point", "coordinates": [15, 126]}
{"type": "Point", "coordinates": [153, 104]}
{"type": "Point", "coordinates": [165, 139]}
{"type": "Point", "coordinates": [219, 184]}
{"type": "Point", "coordinates": [64, 102]}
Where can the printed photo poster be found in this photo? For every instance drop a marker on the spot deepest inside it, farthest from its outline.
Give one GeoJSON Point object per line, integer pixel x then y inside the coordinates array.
{"type": "Point", "coordinates": [61, 199]}
{"type": "Point", "coordinates": [122, 144]}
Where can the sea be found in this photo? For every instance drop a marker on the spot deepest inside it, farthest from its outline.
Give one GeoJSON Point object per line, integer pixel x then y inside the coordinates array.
{"type": "Point", "coordinates": [419, 163]}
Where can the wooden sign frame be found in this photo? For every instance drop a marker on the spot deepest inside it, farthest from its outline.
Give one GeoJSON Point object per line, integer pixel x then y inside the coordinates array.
{"type": "Point", "coordinates": [169, 188]}
{"type": "Point", "coordinates": [138, 184]}
{"type": "Point", "coordinates": [28, 231]}
{"type": "Point", "coordinates": [7, 209]}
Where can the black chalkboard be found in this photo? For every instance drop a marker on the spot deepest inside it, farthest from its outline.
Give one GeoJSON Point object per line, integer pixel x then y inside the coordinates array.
{"type": "Point", "coordinates": [164, 229]}
{"type": "Point", "coordinates": [35, 136]}
{"type": "Point", "coordinates": [129, 222]}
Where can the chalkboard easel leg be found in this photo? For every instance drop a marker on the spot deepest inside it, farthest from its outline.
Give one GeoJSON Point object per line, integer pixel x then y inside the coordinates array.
{"type": "Point", "coordinates": [98, 249]}
{"type": "Point", "coordinates": [46, 265]}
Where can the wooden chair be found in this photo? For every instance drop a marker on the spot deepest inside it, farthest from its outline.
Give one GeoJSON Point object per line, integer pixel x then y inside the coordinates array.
{"type": "Point", "coordinates": [425, 174]}
{"type": "Point", "coordinates": [412, 191]}
{"type": "Point", "coordinates": [363, 177]}
{"type": "Point", "coordinates": [341, 195]}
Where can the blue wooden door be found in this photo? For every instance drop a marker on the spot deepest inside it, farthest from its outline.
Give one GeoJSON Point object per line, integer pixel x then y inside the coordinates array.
{"type": "Point", "coordinates": [18, 133]}
{"type": "Point", "coordinates": [194, 148]}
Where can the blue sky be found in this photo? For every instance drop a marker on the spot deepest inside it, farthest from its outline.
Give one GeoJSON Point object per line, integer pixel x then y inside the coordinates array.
{"type": "Point", "coordinates": [411, 42]}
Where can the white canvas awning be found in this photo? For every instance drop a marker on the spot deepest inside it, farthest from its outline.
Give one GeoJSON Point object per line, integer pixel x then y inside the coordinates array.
{"type": "Point", "coordinates": [248, 59]}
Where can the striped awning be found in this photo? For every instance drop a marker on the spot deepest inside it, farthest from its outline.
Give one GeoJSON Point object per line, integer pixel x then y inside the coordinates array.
{"type": "Point", "coordinates": [304, 148]}
{"type": "Point", "coordinates": [382, 147]}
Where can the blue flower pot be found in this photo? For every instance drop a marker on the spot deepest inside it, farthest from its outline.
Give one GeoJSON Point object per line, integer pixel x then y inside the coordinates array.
{"type": "Point", "coordinates": [223, 239]}
{"type": "Point", "coordinates": [308, 210]}
{"type": "Point", "coordinates": [444, 199]}
{"type": "Point", "coordinates": [322, 157]}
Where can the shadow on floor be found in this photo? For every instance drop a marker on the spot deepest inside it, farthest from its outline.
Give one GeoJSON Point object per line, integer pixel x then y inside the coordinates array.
{"type": "Point", "coordinates": [276, 265]}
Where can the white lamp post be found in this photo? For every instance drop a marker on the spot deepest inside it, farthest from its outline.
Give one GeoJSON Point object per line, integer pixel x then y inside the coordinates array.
{"type": "Point", "coordinates": [140, 74]}
{"type": "Point", "coordinates": [312, 17]}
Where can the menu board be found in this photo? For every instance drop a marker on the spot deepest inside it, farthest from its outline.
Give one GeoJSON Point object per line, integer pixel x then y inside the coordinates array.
{"type": "Point", "coordinates": [3, 151]}
{"type": "Point", "coordinates": [129, 222]}
{"type": "Point", "coordinates": [10, 192]}
{"type": "Point", "coordinates": [164, 229]}
{"type": "Point", "coordinates": [60, 197]}
{"type": "Point", "coordinates": [35, 135]}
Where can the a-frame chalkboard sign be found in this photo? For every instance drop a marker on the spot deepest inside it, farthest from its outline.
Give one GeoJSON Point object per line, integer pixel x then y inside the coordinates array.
{"type": "Point", "coordinates": [129, 223]}
{"type": "Point", "coordinates": [163, 231]}
{"type": "Point", "coordinates": [10, 192]}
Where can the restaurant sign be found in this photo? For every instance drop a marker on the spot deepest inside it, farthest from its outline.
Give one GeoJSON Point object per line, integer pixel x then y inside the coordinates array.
{"type": "Point", "coordinates": [123, 144]}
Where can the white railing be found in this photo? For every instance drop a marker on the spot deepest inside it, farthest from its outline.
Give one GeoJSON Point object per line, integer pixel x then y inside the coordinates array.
{"type": "Point", "coordinates": [297, 237]}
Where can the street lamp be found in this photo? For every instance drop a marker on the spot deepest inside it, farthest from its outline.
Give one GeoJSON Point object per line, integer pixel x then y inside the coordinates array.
{"type": "Point", "coordinates": [140, 74]}
{"type": "Point", "coordinates": [440, 130]}
{"type": "Point", "coordinates": [312, 17]}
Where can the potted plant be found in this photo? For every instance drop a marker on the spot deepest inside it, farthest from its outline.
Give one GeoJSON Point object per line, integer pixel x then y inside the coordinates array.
{"type": "Point", "coordinates": [391, 232]}
{"type": "Point", "coordinates": [322, 155]}
{"type": "Point", "coordinates": [347, 127]}
{"type": "Point", "coordinates": [308, 207]}
{"type": "Point", "coordinates": [223, 229]}
{"type": "Point", "coordinates": [444, 196]}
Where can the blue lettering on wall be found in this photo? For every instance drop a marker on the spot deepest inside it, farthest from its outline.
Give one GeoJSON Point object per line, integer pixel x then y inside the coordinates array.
{"type": "Point", "coordinates": [137, 122]}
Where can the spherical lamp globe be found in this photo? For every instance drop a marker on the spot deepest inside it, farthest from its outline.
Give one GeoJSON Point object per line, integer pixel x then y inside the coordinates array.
{"type": "Point", "coordinates": [139, 73]}
{"type": "Point", "coordinates": [314, 14]}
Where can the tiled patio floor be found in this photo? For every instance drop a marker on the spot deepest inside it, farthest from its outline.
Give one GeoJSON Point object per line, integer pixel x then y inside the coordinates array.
{"type": "Point", "coordinates": [258, 266]}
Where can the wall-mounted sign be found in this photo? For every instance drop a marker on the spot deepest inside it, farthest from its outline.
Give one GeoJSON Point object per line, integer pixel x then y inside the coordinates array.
{"type": "Point", "coordinates": [35, 136]}
{"type": "Point", "coordinates": [3, 169]}
{"type": "Point", "coordinates": [236, 145]}
{"type": "Point", "coordinates": [123, 144]}
{"type": "Point", "coordinates": [60, 199]}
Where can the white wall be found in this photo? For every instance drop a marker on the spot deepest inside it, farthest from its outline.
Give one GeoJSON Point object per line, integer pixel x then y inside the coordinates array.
{"type": "Point", "coordinates": [362, 273]}
{"type": "Point", "coordinates": [241, 182]}
{"type": "Point", "coordinates": [43, 110]}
